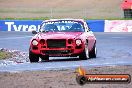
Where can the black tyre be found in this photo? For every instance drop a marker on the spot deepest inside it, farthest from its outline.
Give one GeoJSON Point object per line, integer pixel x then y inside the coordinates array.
{"type": "Point", "coordinates": [45, 58]}
{"type": "Point", "coordinates": [33, 57]}
{"type": "Point", "coordinates": [127, 13]}
{"type": "Point", "coordinates": [93, 53]}
{"type": "Point", "coordinates": [81, 80]}
{"type": "Point", "coordinates": [85, 54]}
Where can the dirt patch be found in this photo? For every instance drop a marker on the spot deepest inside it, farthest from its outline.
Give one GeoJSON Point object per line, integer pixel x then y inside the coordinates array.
{"type": "Point", "coordinates": [61, 8]}
{"type": "Point", "coordinates": [59, 79]}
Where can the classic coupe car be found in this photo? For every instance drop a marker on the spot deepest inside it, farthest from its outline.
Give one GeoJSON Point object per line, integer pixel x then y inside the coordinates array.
{"type": "Point", "coordinates": [63, 38]}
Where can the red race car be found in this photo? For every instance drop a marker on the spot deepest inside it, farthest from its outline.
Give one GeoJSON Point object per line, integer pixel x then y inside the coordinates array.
{"type": "Point", "coordinates": [63, 37]}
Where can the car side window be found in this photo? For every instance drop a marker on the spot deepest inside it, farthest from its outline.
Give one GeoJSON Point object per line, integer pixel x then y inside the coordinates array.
{"type": "Point", "coordinates": [86, 27]}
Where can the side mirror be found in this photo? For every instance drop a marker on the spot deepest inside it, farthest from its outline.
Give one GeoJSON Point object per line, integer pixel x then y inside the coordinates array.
{"type": "Point", "coordinates": [34, 32]}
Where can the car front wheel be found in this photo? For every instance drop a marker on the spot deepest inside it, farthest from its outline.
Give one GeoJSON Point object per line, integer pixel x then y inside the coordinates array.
{"type": "Point", "coordinates": [33, 57]}
{"type": "Point", "coordinates": [45, 58]}
{"type": "Point", "coordinates": [85, 54]}
{"type": "Point", "coordinates": [93, 52]}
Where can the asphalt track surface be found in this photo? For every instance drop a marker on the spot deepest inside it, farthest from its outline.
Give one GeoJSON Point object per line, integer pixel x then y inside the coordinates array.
{"type": "Point", "coordinates": [113, 49]}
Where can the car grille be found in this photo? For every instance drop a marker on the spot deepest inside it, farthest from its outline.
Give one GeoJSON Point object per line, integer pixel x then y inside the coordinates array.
{"type": "Point", "coordinates": [56, 51]}
{"type": "Point", "coordinates": [56, 43]}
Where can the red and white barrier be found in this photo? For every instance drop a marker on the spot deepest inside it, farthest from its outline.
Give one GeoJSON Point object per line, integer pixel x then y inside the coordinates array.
{"type": "Point", "coordinates": [118, 26]}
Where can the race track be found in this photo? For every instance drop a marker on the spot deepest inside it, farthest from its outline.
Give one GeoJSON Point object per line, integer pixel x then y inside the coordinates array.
{"type": "Point", "coordinates": [113, 49]}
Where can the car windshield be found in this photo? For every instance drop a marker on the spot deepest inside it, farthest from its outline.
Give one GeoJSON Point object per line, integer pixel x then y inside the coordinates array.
{"type": "Point", "coordinates": [63, 26]}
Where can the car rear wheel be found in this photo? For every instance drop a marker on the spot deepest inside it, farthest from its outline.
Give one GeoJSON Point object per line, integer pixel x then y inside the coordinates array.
{"type": "Point", "coordinates": [33, 57]}
{"type": "Point", "coordinates": [93, 52]}
{"type": "Point", "coordinates": [85, 54]}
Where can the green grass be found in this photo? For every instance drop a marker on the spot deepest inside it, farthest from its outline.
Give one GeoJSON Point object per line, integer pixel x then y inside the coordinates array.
{"type": "Point", "coordinates": [5, 55]}
{"type": "Point", "coordinates": [107, 18]}
{"type": "Point", "coordinates": [46, 18]}
{"type": "Point", "coordinates": [40, 18]}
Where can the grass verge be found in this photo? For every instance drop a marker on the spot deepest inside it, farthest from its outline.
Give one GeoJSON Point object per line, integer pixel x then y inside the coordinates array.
{"type": "Point", "coordinates": [5, 55]}
{"type": "Point", "coordinates": [46, 18]}
{"type": "Point", "coordinates": [40, 18]}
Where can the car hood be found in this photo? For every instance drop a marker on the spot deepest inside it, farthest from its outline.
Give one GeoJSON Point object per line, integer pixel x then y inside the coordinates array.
{"type": "Point", "coordinates": [59, 35]}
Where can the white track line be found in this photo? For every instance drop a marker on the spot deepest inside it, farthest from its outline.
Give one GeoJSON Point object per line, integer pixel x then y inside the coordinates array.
{"type": "Point", "coordinates": [15, 37]}
{"type": "Point", "coordinates": [118, 37]}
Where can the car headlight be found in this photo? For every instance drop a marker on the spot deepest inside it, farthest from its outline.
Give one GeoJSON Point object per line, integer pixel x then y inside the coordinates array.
{"type": "Point", "coordinates": [35, 42]}
{"type": "Point", "coordinates": [78, 42]}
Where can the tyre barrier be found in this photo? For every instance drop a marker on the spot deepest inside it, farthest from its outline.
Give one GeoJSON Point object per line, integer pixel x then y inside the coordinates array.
{"type": "Point", "coordinates": [94, 25]}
